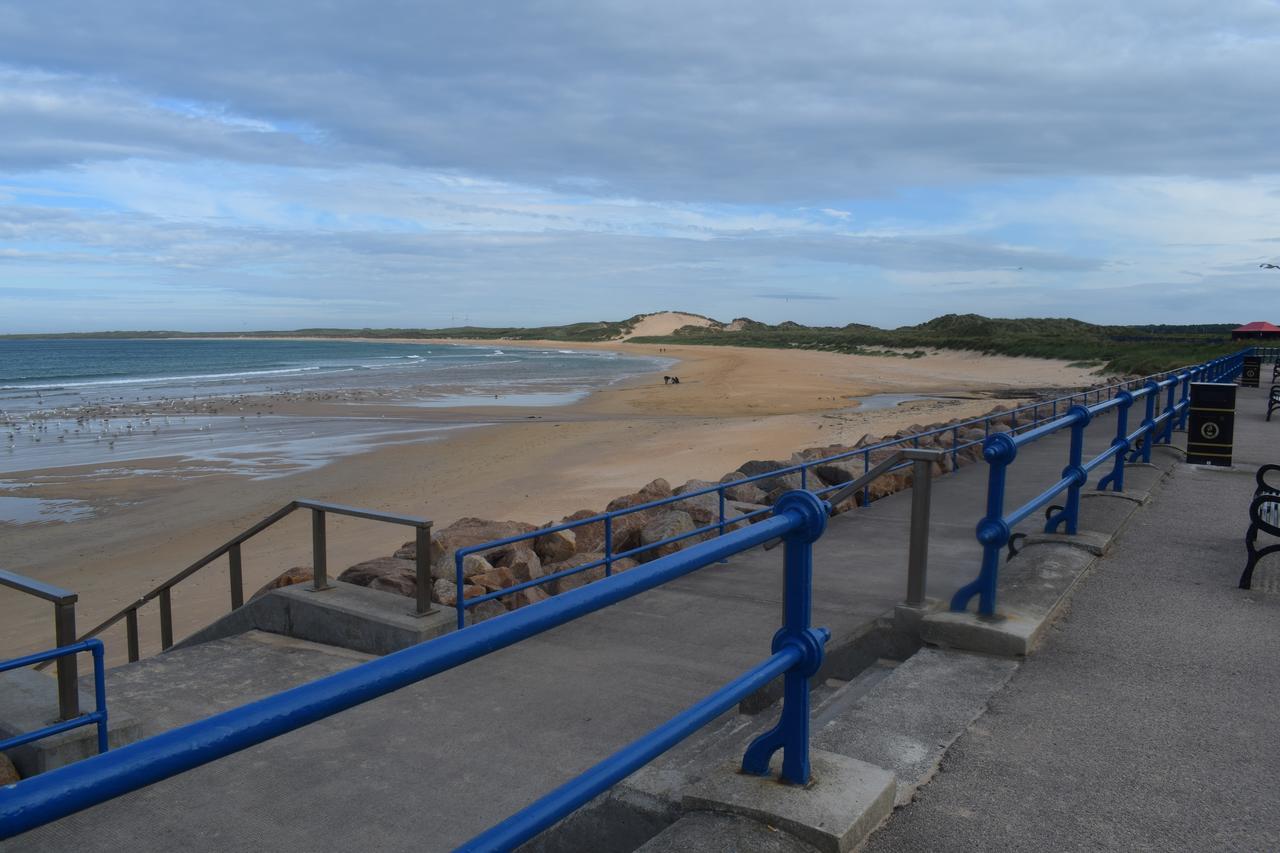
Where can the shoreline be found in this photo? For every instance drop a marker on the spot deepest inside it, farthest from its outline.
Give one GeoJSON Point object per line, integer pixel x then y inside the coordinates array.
{"type": "Point", "coordinates": [533, 464]}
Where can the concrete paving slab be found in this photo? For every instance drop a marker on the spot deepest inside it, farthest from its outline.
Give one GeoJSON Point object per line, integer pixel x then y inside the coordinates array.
{"type": "Point", "coordinates": [844, 802]}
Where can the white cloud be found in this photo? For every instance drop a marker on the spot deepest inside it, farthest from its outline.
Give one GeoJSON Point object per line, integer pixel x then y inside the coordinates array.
{"type": "Point", "coordinates": [619, 157]}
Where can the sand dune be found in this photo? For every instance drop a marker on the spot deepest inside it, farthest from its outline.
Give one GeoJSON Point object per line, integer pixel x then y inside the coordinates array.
{"type": "Point", "coordinates": [664, 323]}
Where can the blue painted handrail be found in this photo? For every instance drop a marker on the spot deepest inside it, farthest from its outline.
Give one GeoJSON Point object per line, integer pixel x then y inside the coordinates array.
{"type": "Point", "coordinates": [1033, 415]}
{"type": "Point", "coordinates": [1001, 449]}
{"type": "Point", "coordinates": [799, 518]}
{"type": "Point", "coordinates": [99, 713]}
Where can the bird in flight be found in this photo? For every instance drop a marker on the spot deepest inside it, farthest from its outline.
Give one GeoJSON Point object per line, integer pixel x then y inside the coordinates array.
{"type": "Point", "coordinates": [1269, 266]}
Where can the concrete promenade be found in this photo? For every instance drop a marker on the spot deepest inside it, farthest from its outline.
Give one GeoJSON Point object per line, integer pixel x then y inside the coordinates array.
{"type": "Point", "coordinates": [1149, 719]}
{"type": "Point", "coordinates": [432, 765]}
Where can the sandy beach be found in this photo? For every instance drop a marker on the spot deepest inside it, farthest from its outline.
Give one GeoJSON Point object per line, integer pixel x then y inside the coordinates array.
{"type": "Point", "coordinates": [533, 464]}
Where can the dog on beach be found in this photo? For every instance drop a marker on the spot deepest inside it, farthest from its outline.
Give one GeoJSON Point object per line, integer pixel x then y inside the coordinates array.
{"type": "Point", "coordinates": [671, 380]}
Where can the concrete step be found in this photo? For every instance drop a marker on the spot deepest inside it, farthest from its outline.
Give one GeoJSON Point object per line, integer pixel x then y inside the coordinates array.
{"type": "Point", "coordinates": [907, 722]}
{"type": "Point", "coordinates": [344, 615]}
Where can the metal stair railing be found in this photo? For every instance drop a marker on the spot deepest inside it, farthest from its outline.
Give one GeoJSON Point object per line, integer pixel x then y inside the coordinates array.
{"type": "Point", "coordinates": [64, 634]}
{"type": "Point", "coordinates": [231, 548]}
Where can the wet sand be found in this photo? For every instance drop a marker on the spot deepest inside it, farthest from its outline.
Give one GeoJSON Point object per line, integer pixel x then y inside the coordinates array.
{"type": "Point", "coordinates": [529, 463]}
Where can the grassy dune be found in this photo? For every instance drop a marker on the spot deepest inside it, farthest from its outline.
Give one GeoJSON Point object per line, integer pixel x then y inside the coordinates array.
{"type": "Point", "coordinates": [1122, 349]}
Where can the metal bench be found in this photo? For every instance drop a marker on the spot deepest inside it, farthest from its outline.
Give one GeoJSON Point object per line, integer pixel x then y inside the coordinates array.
{"type": "Point", "coordinates": [1273, 402]}
{"type": "Point", "coordinates": [1264, 517]}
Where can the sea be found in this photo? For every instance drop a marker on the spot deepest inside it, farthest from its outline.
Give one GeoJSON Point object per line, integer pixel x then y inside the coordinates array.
{"type": "Point", "coordinates": [75, 408]}
{"type": "Point", "coordinates": [49, 374]}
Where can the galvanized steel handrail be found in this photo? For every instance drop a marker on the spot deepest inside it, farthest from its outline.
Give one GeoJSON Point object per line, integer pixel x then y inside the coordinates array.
{"type": "Point", "coordinates": [995, 529]}
{"type": "Point", "coordinates": [797, 652]}
{"type": "Point", "coordinates": [319, 568]}
{"type": "Point", "coordinates": [64, 634]}
{"type": "Point", "coordinates": [66, 723]}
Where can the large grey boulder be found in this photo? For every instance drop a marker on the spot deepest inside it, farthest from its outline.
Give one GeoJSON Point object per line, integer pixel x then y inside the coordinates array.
{"type": "Point", "coordinates": [557, 546]}
{"type": "Point", "coordinates": [671, 523]}
{"type": "Point", "coordinates": [745, 492]}
{"type": "Point", "coordinates": [463, 533]}
{"type": "Point", "coordinates": [519, 558]}
{"type": "Point", "coordinates": [388, 574]}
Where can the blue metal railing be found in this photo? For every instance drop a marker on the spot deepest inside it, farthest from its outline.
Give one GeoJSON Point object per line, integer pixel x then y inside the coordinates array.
{"type": "Point", "coordinates": [797, 652]}
{"type": "Point", "coordinates": [1032, 416]}
{"type": "Point", "coordinates": [1000, 450]}
{"type": "Point", "coordinates": [98, 715]}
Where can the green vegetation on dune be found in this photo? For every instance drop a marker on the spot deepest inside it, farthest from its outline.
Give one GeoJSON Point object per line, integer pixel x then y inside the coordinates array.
{"type": "Point", "coordinates": [1117, 349]}
{"type": "Point", "coordinates": [1122, 349]}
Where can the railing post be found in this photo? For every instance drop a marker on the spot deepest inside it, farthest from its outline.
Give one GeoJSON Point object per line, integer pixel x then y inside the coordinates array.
{"type": "Point", "coordinates": [993, 531]}
{"type": "Point", "coordinates": [131, 633]}
{"type": "Point", "coordinates": [459, 580]}
{"type": "Point", "coordinates": [866, 466]}
{"type": "Point", "coordinates": [791, 734]}
{"type": "Point", "coordinates": [166, 619]}
{"type": "Point", "coordinates": [608, 545]}
{"type": "Point", "coordinates": [1119, 444]}
{"type": "Point", "coordinates": [319, 553]}
{"type": "Point", "coordinates": [64, 629]}
{"type": "Point", "coordinates": [918, 554]}
{"type": "Point", "coordinates": [100, 695]}
{"type": "Point", "coordinates": [1170, 408]}
{"type": "Point", "coordinates": [1149, 423]}
{"type": "Point", "coordinates": [1070, 513]}
{"type": "Point", "coordinates": [422, 568]}
{"type": "Point", "coordinates": [1184, 405]}
{"type": "Point", "coordinates": [237, 577]}
{"type": "Point", "coordinates": [720, 495]}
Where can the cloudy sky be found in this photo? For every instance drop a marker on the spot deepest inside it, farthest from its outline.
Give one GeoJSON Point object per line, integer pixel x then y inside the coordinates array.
{"type": "Point", "coordinates": [271, 164]}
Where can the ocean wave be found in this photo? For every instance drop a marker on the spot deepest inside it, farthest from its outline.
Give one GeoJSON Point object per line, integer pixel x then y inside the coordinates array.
{"type": "Point", "coordinates": [55, 385]}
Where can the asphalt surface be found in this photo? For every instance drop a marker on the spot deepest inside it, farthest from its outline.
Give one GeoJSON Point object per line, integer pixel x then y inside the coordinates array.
{"type": "Point", "coordinates": [1149, 720]}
